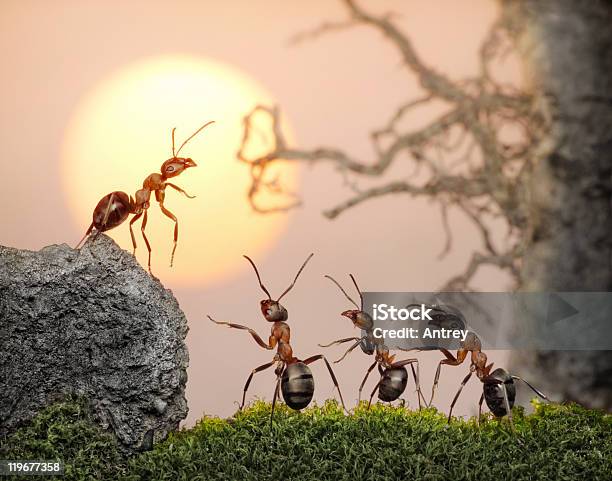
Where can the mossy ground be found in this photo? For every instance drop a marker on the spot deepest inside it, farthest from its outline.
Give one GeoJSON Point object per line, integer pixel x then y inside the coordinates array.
{"type": "Point", "coordinates": [556, 442]}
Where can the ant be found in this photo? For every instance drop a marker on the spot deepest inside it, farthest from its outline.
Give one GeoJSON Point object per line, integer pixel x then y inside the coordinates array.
{"type": "Point", "coordinates": [498, 390]}
{"type": "Point", "coordinates": [293, 376]}
{"type": "Point", "coordinates": [393, 374]}
{"type": "Point", "coordinates": [114, 208]}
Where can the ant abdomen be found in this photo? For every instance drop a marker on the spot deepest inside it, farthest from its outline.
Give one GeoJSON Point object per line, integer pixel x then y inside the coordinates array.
{"type": "Point", "coordinates": [111, 211]}
{"type": "Point", "coordinates": [493, 390]}
{"type": "Point", "coordinates": [392, 384]}
{"type": "Point", "coordinates": [297, 385]}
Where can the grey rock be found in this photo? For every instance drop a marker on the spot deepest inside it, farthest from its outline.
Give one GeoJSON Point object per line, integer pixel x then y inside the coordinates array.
{"type": "Point", "coordinates": [93, 323]}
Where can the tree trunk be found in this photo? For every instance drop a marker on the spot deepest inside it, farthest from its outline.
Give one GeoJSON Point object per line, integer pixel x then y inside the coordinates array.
{"type": "Point", "coordinates": [567, 49]}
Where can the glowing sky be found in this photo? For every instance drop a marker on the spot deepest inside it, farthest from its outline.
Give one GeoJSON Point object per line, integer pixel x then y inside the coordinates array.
{"type": "Point", "coordinates": [334, 90]}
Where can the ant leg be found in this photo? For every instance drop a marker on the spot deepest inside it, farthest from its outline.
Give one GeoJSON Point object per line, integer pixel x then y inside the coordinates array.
{"type": "Point", "coordinates": [278, 381]}
{"type": "Point", "coordinates": [142, 229]}
{"type": "Point", "coordinates": [263, 367]}
{"type": "Point", "coordinates": [339, 341]}
{"type": "Point", "coordinates": [365, 379]}
{"type": "Point", "coordinates": [176, 187]}
{"type": "Point", "coordinates": [405, 362]}
{"type": "Point", "coordinates": [258, 339]}
{"type": "Point", "coordinates": [532, 388]}
{"type": "Point", "coordinates": [508, 408]}
{"type": "Point", "coordinates": [463, 383]}
{"type": "Point", "coordinates": [451, 361]}
{"type": "Point", "coordinates": [331, 373]}
{"type": "Point", "coordinates": [418, 384]}
{"type": "Point", "coordinates": [169, 214]}
{"type": "Point", "coordinates": [85, 236]}
{"type": "Point", "coordinates": [349, 350]}
{"type": "Point", "coordinates": [374, 392]}
{"type": "Point", "coordinates": [480, 407]}
{"type": "Point", "coordinates": [134, 219]}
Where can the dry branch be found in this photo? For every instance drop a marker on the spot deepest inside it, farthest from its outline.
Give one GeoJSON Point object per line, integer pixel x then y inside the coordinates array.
{"type": "Point", "coordinates": [478, 108]}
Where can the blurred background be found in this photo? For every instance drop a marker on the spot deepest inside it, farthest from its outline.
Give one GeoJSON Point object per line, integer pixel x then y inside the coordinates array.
{"type": "Point", "coordinates": [91, 91]}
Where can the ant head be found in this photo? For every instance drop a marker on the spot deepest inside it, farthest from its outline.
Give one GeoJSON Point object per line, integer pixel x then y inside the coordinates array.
{"type": "Point", "coordinates": [175, 166]}
{"type": "Point", "coordinates": [360, 319]}
{"type": "Point", "coordinates": [273, 311]}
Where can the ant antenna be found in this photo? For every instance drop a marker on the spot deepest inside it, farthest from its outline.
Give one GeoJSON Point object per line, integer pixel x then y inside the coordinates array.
{"type": "Point", "coordinates": [191, 136]}
{"type": "Point", "coordinates": [258, 278]}
{"type": "Point", "coordinates": [358, 290]}
{"type": "Point", "coordinates": [343, 291]}
{"type": "Point", "coordinates": [532, 388]}
{"type": "Point", "coordinates": [296, 277]}
{"type": "Point", "coordinates": [173, 154]}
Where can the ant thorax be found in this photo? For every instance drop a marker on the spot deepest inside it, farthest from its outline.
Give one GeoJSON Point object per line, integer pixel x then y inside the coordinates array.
{"type": "Point", "coordinates": [285, 352]}
{"type": "Point", "coordinates": [479, 361]}
{"type": "Point", "coordinates": [471, 342]}
{"type": "Point", "coordinates": [382, 355]}
{"type": "Point", "coordinates": [281, 332]}
{"type": "Point", "coordinates": [141, 200]}
{"type": "Point", "coordinates": [153, 182]}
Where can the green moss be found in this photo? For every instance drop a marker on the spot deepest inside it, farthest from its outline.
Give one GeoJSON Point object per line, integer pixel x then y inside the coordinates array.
{"type": "Point", "coordinates": [556, 442]}
{"type": "Point", "coordinates": [65, 431]}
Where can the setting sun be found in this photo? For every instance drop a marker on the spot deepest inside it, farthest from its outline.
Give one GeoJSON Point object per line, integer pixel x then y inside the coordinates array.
{"type": "Point", "coordinates": [121, 132]}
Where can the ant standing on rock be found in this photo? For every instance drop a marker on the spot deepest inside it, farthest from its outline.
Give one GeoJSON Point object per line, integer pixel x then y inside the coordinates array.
{"type": "Point", "coordinates": [114, 208]}
{"type": "Point", "coordinates": [293, 377]}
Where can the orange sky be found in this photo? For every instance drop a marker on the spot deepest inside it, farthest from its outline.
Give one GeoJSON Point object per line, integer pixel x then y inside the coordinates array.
{"type": "Point", "coordinates": [334, 91]}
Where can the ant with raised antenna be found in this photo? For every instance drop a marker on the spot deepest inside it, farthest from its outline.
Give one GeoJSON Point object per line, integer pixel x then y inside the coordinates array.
{"type": "Point", "coordinates": [293, 376]}
{"type": "Point", "coordinates": [393, 374]}
{"type": "Point", "coordinates": [114, 208]}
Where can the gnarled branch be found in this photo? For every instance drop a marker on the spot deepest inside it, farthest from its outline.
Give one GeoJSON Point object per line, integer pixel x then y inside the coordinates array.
{"type": "Point", "coordinates": [484, 183]}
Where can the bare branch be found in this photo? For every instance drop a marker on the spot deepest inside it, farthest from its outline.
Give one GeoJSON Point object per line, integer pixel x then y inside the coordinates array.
{"type": "Point", "coordinates": [447, 230]}
{"type": "Point", "coordinates": [323, 29]}
{"type": "Point", "coordinates": [433, 82]}
{"type": "Point", "coordinates": [462, 281]}
{"type": "Point", "coordinates": [485, 180]}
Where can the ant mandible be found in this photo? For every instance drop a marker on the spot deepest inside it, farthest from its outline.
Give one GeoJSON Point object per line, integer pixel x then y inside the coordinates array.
{"type": "Point", "coordinates": [114, 208]}
{"type": "Point", "coordinates": [393, 374]}
{"type": "Point", "coordinates": [293, 376]}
